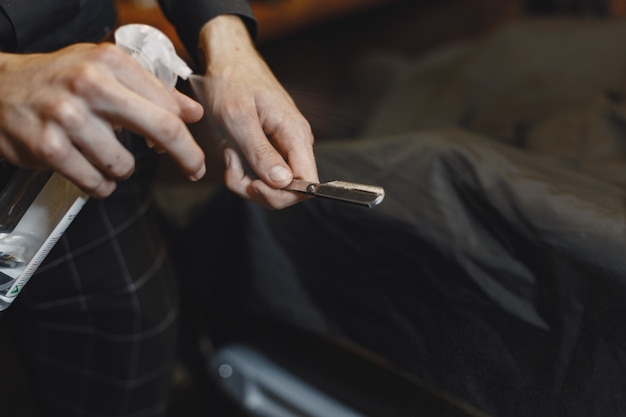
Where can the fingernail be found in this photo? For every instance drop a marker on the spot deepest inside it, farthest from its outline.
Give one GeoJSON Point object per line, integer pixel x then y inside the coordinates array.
{"type": "Point", "coordinates": [279, 174]}
{"type": "Point", "coordinates": [198, 175]}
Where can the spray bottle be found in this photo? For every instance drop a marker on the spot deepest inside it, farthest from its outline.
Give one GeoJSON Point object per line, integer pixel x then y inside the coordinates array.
{"type": "Point", "coordinates": [36, 207]}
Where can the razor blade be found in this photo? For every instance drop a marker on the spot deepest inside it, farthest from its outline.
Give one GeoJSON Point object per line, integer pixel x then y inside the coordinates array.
{"type": "Point", "coordinates": [348, 192]}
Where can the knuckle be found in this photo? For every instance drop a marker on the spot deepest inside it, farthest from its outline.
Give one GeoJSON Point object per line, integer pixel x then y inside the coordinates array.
{"type": "Point", "coordinates": [262, 151]}
{"type": "Point", "coordinates": [52, 147]}
{"type": "Point", "coordinates": [67, 113]}
{"type": "Point", "coordinates": [98, 187]}
{"type": "Point", "coordinates": [169, 128]}
{"type": "Point", "coordinates": [306, 132]}
{"type": "Point", "coordinates": [172, 135]}
{"type": "Point", "coordinates": [236, 113]}
{"type": "Point", "coordinates": [108, 53]}
{"type": "Point", "coordinates": [83, 79]}
{"type": "Point", "coordinates": [293, 126]}
{"type": "Point", "coordinates": [123, 168]}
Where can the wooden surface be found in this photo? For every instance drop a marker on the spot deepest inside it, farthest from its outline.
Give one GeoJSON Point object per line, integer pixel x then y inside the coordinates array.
{"type": "Point", "coordinates": [282, 17]}
{"type": "Point", "coordinates": [617, 7]}
{"type": "Point", "coordinates": [276, 18]}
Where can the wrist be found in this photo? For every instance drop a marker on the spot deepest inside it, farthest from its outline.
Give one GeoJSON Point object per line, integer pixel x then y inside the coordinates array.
{"type": "Point", "coordinates": [224, 37]}
{"type": "Point", "coordinates": [5, 59]}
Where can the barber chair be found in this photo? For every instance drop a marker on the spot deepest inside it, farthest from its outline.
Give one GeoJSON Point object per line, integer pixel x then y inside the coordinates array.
{"type": "Point", "coordinates": [270, 369]}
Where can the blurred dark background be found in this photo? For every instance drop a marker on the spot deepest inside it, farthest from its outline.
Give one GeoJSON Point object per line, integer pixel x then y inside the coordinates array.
{"type": "Point", "coordinates": [336, 68]}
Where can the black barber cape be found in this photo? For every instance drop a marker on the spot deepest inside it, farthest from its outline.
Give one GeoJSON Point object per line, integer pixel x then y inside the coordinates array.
{"type": "Point", "coordinates": [495, 268]}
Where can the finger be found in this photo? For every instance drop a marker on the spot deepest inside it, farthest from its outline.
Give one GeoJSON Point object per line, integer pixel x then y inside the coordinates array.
{"type": "Point", "coordinates": [129, 73]}
{"type": "Point", "coordinates": [150, 87]}
{"type": "Point", "coordinates": [275, 199]}
{"type": "Point", "coordinates": [295, 141]}
{"type": "Point", "coordinates": [63, 157]}
{"type": "Point", "coordinates": [165, 129]}
{"type": "Point", "coordinates": [253, 189]}
{"type": "Point", "coordinates": [94, 138]}
{"type": "Point", "coordinates": [266, 162]}
{"type": "Point", "coordinates": [168, 134]}
{"type": "Point", "coordinates": [130, 96]}
{"type": "Point", "coordinates": [191, 110]}
{"type": "Point", "coordinates": [235, 177]}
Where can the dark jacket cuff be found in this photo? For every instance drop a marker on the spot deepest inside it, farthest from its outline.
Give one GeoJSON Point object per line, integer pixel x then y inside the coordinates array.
{"type": "Point", "coordinates": [188, 17]}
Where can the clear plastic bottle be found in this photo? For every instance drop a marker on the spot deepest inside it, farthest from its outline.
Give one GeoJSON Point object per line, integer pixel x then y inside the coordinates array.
{"type": "Point", "coordinates": [36, 207]}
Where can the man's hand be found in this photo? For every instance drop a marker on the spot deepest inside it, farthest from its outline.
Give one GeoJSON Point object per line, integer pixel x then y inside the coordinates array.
{"type": "Point", "coordinates": [264, 129]}
{"type": "Point", "coordinates": [59, 111]}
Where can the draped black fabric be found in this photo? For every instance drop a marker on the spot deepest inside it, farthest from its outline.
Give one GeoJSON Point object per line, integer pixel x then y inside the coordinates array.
{"type": "Point", "coordinates": [494, 269]}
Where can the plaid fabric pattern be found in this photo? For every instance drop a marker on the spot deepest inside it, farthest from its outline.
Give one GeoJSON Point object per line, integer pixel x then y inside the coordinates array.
{"type": "Point", "coordinates": [97, 322]}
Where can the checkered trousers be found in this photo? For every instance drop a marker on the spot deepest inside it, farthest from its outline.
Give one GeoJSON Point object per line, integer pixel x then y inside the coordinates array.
{"type": "Point", "coordinates": [97, 322]}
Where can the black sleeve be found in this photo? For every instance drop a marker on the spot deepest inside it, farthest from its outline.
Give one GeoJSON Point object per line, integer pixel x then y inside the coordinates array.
{"type": "Point", "coordinates": [188, 16]}
{"type": "Point", "coordinates": [7, 33]}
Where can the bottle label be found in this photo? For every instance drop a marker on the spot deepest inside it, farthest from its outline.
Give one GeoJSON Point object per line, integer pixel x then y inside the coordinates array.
{"type": "Point", "coordinates": [43, 224]}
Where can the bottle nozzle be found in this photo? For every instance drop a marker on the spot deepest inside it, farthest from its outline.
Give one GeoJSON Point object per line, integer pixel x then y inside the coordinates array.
{"type": "Point", "coordinates": [154, 51]}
